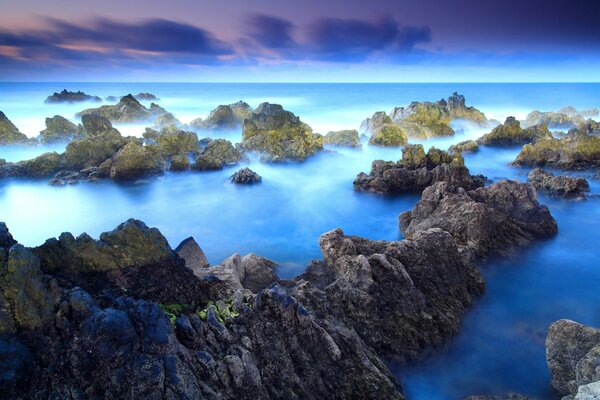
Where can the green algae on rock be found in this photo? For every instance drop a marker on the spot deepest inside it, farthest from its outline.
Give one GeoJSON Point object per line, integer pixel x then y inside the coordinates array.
{"type": "Point", "coordinates": [224, 117]}
{"type": "Point", "coordinates": [128, 109]}
{"type": "Point", "coordinates": [343, 138]}
{"type": "Point", "coordinates": [389, 135]}
{"type": "Point", "coordinates": [59, 129]}
{"type": "Point", "coordinates": [467, 146]}
{"type": "Point", "coordinates": [217, 154]}
{"type": "Point", "coordinates": [511, 134]}
{"type": "Point", "coordinates": [135, 161]}
{"type": "Point", "coordinates": [9, 133]}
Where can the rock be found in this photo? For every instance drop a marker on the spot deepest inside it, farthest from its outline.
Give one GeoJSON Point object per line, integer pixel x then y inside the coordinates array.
{"type": "Point", "coordinates": [573, 356]}
{"type": "Point", "coordinates": [144, 96]}
{"type": "Point", "coordinates": [70, 97]}
{"type": "Point", "coordinates": [128, 109]}
{"type": "Point", "coordinates": [131, 244]}
{"type": "Point", "coordinates": [245, 176]}
{"type": "Point", "coordinates": [492, 220]}
{"type": "Point", "coordinates": [574, 152]}
{"type": "Point", "coordinates": [279, 135]}
{"type": "Point", "coordinates": [378, 119]}
{"type": "Point", "coordinates": [63, 178]}
{"type": "Point", "coordinates": [566, 118]}
{"type": "Point", "coordinates": [224, 117]}
{"type": "Point", "coordinates": [217, 154]}
{"type": "Point", "coordinates": [43, 165]}
{"type": "Point", "coordinates": [194, 257]}
{"type": "Point", "coordinates": [344, 138]}
{"type": "Point", "coordinates": [167, 122]}
{"type": "Point", "coordinates": [9, 133]}
{"type": "Point", "coordinates": [558, 186]}
{"type": "Point", "coordinates": [93, 150]}
{"type": "Point", "coordinates": [508, 396]}
{"type": "Point", "coordinates": [59, 129]}
{"type": "Point", "coordinates": [416, 171]}
{"type": "Point", "coordinates": [511, 134]}
{"type": "Point", "coordinates": [467, 146]}
{"type": "Point", "coordinates": [6, 239]}
{"type": "Point", "coordinates": [171, 143]}
{"type": "Point", "coordinates": [591, 391]}
{"type": "Point", "coordinates": [389, 135]}
{"type": "Point", "coordinates": [179, 162]}
{"type": "Point", "coordinates": [135, 161]}
{"type": "Point", "coordinates": [96, 124]}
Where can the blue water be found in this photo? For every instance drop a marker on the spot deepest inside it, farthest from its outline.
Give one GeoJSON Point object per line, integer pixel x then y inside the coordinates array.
{"type": "Point", "coordinates": [500, 347]}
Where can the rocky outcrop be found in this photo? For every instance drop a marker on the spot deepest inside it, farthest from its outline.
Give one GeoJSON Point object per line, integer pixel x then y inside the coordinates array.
{"type": "Point", "coordinates": [135, 161]}
{"type": "Point", "coordinates": [558, 186]}
{"type": "Point", "coordinates": [426, 119]}
{"type": "Point", "coordinates": [217, 154]}
{"type": "Point", "coordinates": [43, 165]}
{"type": "Point", "coordinates": [492, 220]}
{"type": "Point", "coordinates": [179, 162]}
{"type": "Point", "coordinates": [565, 118]}
{"type": "Point", "coordinates": [279, 135]}
{"type": "Point", "coordinates": [145, 96]}
{"type": "Point", "coordinates": [245, 176]}
{"type": "Point", "coordinates": [59, 129]}
{"type": "Point", "coordinates": [9, 133]}
{"type": "Point", "coordinates": [194, 257]}
{"type": "Point", "coordinates": [389, 135]}
{"type": "Point", "coordinates": [344, 138]}
{"type": "Point", "coordinates": [128, 109]}
{"type": "Point", "coordinates": [573, 357]}
{"type": "Point", "coordinates": [416, 171]}
{"type": "Point", "coordinates": [574, 152]}
{"type": "Point", "coordinates": [467, 146]}
{"type": "Point", "coordinates": [511, 134]}
{"type": "Point", "coordinates": [70, 97]}
{"type": "Point", "coordinates": [167, 122]}
{"type": "Point", "coordinates": [172, 142]}
{"type": "Point", "coordinates": [224, 117]}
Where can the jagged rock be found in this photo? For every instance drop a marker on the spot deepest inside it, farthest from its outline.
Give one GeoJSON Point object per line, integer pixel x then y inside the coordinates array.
{"type": "Point", "coordinates": [178, 142]}
{"type": "Point", "coordinates": [565, 118]}
{"type": "Point", "coordinates": [96, 124]}
{"type": "Point", "coordinates": [70, 97]}
{"type": "Point", "coordinates": [245, 176]}
{"type": "Point", "coordinates": [492, 220]}
{"type": "Point", "coordinates": [558, 186]}
{"type": "Point", "coordinates": [144, 96]}
{"type": "Point", "coordinates": [92, 151]}
{"type": "Point", "coordinates": [167, 122]}
{"type": "Point", "coordinates": [378, 119]}
{"type": "Point", "coordinates": [217, 154]}
{"type": "Point", "coordinates": [389, 135]}
{"type": "Point", "coordinates": [511, 134]}
{"type": "Point", "coordinates": [130, 244]}
{"type": "Point", "coordinates": [591, 391]}
{"type": "Point", "coordinates": [63, 178]}
{"type": "Point", "coordinates": [194, 257]}
{"type": "Point", "coordinates": [179, 162]}
{"type": "Point", "coordinates": [9, 133]}
{"type": "Point", "coordinates": [467, 146]}
{"type": "Point", "coordinates": [416, 171]}
{"type": "Point", "coordinates": [135, 161]}
{"type": "Point", "coordinates": [573, 356]}
{"type": "Point", "coordinates": [59, 129]}
{"type": "Point", "coordinates": [41, 166]}
{"type": "Point", "coordinates": [279, 135]}
{"type": "Point", "coordinates": [224, 117]}
{"type": "Point", "coordinates": [128, 109]}
{"type": "Point", "coordinates": [344, 138]}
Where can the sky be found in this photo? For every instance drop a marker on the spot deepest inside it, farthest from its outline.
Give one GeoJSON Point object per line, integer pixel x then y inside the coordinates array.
{"type": "Point", "coordinates": [300, 41]}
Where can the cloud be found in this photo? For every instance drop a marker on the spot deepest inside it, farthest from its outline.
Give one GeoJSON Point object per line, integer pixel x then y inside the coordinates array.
{"type": "Point", "coordinates": [271, 32]}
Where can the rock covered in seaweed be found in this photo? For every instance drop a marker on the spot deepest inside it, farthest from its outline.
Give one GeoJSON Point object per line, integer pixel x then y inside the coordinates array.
{"type": "Point", "coordinates": [70, 97]}
{"type": "Point", "coordinates": [511, 134]}
{"type": "Point", "coordinates": [558, 186]}
{"type": "Point", "coordinates": [279, 135]}
{"type": "Point", "coordinates": [343, 138]}
{"type": "Point", "coordinates": [9, 133]}
{"type": "Point", "coordinates": [59, 129]}
{"type": "Point", "coordinates": [416, 171]}
{"type": "Point", "coordinates": [245, 176]}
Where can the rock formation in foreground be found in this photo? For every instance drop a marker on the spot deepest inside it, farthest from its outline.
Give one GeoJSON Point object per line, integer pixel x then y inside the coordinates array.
{"type": "Point", "coordinates": [60, 130]}
{"type": "Point", "coordinates": [573, 357]}
{"type": "Point", "coordinates": [416, 171]}
{"type": "Point", "coordinates": [9, 133]}
{"type": "Point", "coordinates": [558, 186]}
{"type": "Point", "coordinates": [70, 97]}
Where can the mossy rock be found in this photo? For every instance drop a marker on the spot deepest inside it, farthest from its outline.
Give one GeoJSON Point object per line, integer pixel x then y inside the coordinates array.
{"type": "Point", "coordinates": [224, 117]}
{"type": "Point", "coordinates": [9, 133]}
{"type": "Point", "coordinates": [128, 109]}
{"type": "Point", "coordinates": [413, 156]}
{"type": "Point", "coordinates": [343, 138]}
{"type": "Point", "coordinates": [43, 165]}
{"type": "Point", "coordinates": [389, 135]}
{"type": "Point", "coordinates": [580, 151]}
{"type": "Point", "coordinates": [59, 129]}
{"type": "Point", "coordinates": [93, 150]}
{"type": "Point", "coordinates": [179, 142]}
{"type": "Point", "coordinates": [377, 120]}
{"type": "Point", "coordinates": [437, 157]}
{"type": "Point", "coordinates": [135, 161]}
{"type": "Point", "coordinates": [510, 134]}
{"type": "Point", "coordinates": [467, 146]}
{"type": "Point", "coordinates": [168, 122]}
{"type": "Point", "coordinates": [179, 162]}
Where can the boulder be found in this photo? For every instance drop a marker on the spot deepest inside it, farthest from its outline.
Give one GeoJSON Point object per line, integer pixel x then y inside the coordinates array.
{"type": "Point", "coordinates": [378, 119]}
{"type": "Point", "coordinates": [94, 125]}
{"type": "Point", "coordinates": [224, 117]}
{"type": "Point", "coordinates": [279, 135]}
{"type": "Point", "coordinates": [573, 356]}
{"type": "Point", "coordinates": [135, 161]}
{"type": "Point", "coordinates": [217, 154]}
{"type": "Point", "coordinates": [344, 138]}
{"type": "Point", "coordinates": [94, 150]}
{"type": "Point", "coordinates": [511, 134]}
{"type": "Point", "coordinates": [467, 146]}
{"type": "Point", "coordinates": [389, 135]}
{"type": "Point", "coordinates": [574, 152]}
{"type": "Point", "coordinates": [194, 257]}
{"type": "Point", "coordinates": [565, 118]}
{"type": "Point", "coordinates": [171, 142]}
{"type": "Point", "coordinates": [128, 109]}
{"type": "Point", "coordinates": [558, 186]}
{"type": "Point", "coordinates": [245, 176]}
{"type": "Point", "coordinates": [70, 97]}
{"type": "Point", "coordinates": [9, 133]}
{"type": "Point", "coordinates": [59, 129]}
{"type": "Point", "coordinates": [167, 122]}
{"type": "Point", "coordinates": [145, 96]}
{"type": "Point", "coordinates": [179, 162]}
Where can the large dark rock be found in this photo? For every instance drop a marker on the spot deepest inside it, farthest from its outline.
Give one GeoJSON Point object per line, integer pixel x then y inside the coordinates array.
{"type": "Point", "coordinates": [70, 97]}
{"type": "Point", "coordinates": [573, 357]}
{"type": "Point", "coordinates": [492, 220]}
{"type": "Point", "coordinates": [245, 176]}
{"type": "Point", "coordinates": [416, 171]}
{"type": "Point", "coordinates": [511, 134]}
{"type": "Point", "coordinates": [9, 133]}
{"type": "Point", "coordinates": [194, 257]}
{"type": "Point", "coordinates": [558, 186]}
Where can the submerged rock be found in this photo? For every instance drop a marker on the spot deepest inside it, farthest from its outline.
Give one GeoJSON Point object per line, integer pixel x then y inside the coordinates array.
{"type": "Point", "coordinates": [511, 134]}
{"type": "Point", "coordinates": [9, 133]}
{"type": "Point", "coordinates": [70, 97]}
{"type": "Point", "coordinates": [59, 129]}
{"type": "Point", "coordinates": [128, 109]}
{"type": "Point", "coordinates": [573, 357]}
{"type": "Point", "coordinates": [558, 186]}
{"type": "Point", "coordinates": [416, 171]}
{"type": "Point", "coordinates": [217, 154]}
{"type": "Point", "coordinates": [344, 138]}
{"type": "Point", "coordinates": [245, 176]}
{"type": "Point", "coordinates": [279, 135]}
{"type": "Point", "coordinates": [574, 152]}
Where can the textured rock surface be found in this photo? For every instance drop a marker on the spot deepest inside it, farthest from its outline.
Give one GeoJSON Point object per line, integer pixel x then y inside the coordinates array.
{"type": "Point", "coordinates": [511, 134]}
{"type": "Point", "coordinates": [576, 151]}
{"type": "Point", "coordinates": [389, 135]}
{"type": "Point", "coordinates": [59, 129]}
{"type": "Point", "coordinates": [66, 96]}
{"type": "Point", "coordinates": [344, 138]}
{"type": "Point", "coordinates": [279, 135]}
{"type": "Point", "coordinates": [468, 146]}
{"type": "Point", "coordinates": [224, 117]}
{"type": "Point", "coordinates": [135, 161]}
{"type": "Point", "coordinates": [217, 154]}
{"type": "Point", "coordinates": [558, 186]}
{"type": "Point", "coordinates": [565, 118]}
{"type": "Point", "coordinates": [194, 257]}
{"type": "Point", "coordinates": [128, 109]}
{"type": "Point", "coordinates": [245, 176]}
{"type": "Point", "coordinates": [9, 133]}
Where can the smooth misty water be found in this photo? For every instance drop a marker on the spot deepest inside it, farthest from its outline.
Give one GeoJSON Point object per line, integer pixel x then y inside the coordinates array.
{"type": "Point", "coordinates": [500, 347]}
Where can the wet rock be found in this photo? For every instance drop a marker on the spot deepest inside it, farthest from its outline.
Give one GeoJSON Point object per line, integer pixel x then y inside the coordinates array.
{"type": "Point", "coordinates": [344, 138]}
{"type": "Point", "coordinates": [43, 165]}
{"type": "Point", "coordinates": [467, 146]}
{"type": "Point", "coordinates": [70, 97]}
{"type": "Point", "coordinates": [194, 257]}
{"type": "Point", "coordinates": [245, 176]}
{"type": "Point", "coordinates": [128, 109]}
{"type": "Point", "coordinates": [145, 96]}
{"type": "Point", "coordinates": [378, 119]}
{"type": "Point", "coordinates": [135, 161]}
{"type": "Point", "coordinates": [167, 122]}
{"type": "Point", "coordinates": [96, 124]}
{"type": "Point", "coordinates": [511, 134]}
{"type": "Point", "coordinates": [224, 117]}
{"type": "Point", "coordinates": [558, 186]}
{"type": "Point", "coordinates": [566, 118]}
{"type": "Point", "coordinates": [574, 152]}
{"type": "Point", "coordinates": [573, 356]}
{"type": "Point", "coordinates": [59, 129]}
{"type": "Point", "coordinates": [416, 171]}
{"type": "Point", "coordinates": [66, 178]}
{"type": "Point", "coordinates": [179, 162]}
{"type": "Point", "coordinates": [279, 135]}
{"type": "Point", "coordinates": [491, 220]}
{"type": "Point", "coordinates": [389, 135]}
{"type": "Point", "coordinates": [217, 154]}
{"type": "Point", "coordinates": [9, 133]}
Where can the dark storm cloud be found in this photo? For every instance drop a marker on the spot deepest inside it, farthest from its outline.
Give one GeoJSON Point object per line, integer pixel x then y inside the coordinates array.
{"type": "Point", "coordinates": [270, 32]}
